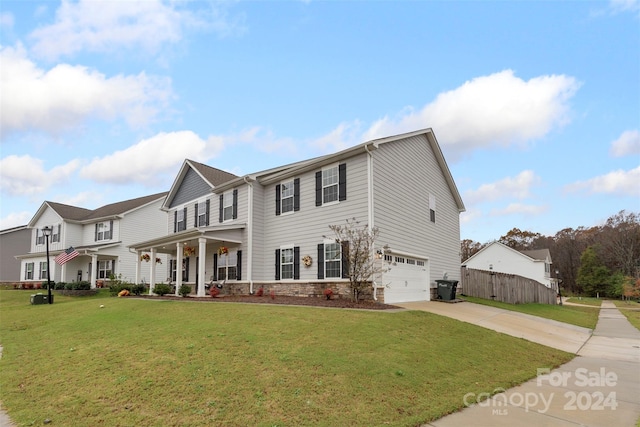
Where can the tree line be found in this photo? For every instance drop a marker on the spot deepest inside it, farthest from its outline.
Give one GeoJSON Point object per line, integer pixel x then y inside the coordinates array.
{"type": "Point", "coordinates": [600, 261]}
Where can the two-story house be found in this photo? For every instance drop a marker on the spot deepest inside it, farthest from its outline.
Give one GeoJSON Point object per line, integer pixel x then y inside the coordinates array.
{"type": "Point", "coordinates": [101, 237]}
{"type": "Point", "coordinates": [268, 228]}
{"type": "Point", "coordinates": [500, 258]}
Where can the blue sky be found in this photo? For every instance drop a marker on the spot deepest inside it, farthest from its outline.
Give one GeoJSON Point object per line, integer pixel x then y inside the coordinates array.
{"type": "Point", "coordinates": [536, 105]}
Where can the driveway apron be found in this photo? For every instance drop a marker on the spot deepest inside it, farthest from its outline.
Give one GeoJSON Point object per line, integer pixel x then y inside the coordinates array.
{"type": "Point", "coordinates": [599, 387]}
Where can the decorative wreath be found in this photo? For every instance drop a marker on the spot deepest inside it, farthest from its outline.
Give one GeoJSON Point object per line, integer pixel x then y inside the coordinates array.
{"type": "Point", "coordinates": [145, 257]}
{"type": "Point", "coordinates": [223, 250]}
{"type": "Point", "coordinates": [187, 251]}
{"type": "Point", "coordinates": [306, 260]}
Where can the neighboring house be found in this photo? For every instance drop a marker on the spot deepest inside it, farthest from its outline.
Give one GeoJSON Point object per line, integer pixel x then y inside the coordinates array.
{"type": "Point", "coordinates": [13, 241]}
{"type": "Point", "coordinates": [101, 236]}
{"type": "Point", "coordinates": [500, 258]}
{"type": "Point", "coordinates": [268, 228]}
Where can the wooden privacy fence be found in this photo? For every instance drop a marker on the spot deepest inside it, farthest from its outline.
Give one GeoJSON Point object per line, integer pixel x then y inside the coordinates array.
{"type": "Point", "coordinates": [505, 287]}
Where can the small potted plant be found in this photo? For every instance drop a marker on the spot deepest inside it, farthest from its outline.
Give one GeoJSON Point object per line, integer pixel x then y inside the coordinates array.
{"type": "Point", "coordinates": [328, 292]}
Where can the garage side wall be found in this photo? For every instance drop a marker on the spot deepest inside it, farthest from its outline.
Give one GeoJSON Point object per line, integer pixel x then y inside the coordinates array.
{"type": "Point", "coordinates": [406, 175]}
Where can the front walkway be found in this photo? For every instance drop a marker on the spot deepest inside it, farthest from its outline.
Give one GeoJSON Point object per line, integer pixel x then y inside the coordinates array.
{"type": "Point", "coordinates": [600, 387]}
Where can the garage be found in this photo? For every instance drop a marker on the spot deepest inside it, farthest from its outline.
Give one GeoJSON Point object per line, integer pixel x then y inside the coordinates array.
{"type": "Point", "coordinates": [407, 280]}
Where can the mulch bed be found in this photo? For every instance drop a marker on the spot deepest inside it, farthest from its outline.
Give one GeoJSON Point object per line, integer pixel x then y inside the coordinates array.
{"type": "Point", "coordinates": [282, 300]}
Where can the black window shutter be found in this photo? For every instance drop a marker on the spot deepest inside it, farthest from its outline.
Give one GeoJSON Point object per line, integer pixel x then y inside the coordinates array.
{"type": "Point", "coordinates": [239, 266]}
{"type": "Point", "coordinates": [95, 234]}
{"type": "Point", "coordinates": [277, 264]}
{"type": "Point", "coordinates": [185, 272]}
{"type": "Point", "coordinates": [296, 262]}
{"type": "Point", "coordinates": [215, 267]}
{"type": "Point", "coordinates": [235, 203]}
{"type": "Point", "coordinates": [277, 199]}
{"type": "Point", "coordinates": [195, 216]}
{"type": "Point", "coordinates": [342, 181]}
{"type": "Point", "coordinates": [111, 229]}
{"type": "Point", "coordinates": [296, 194]}
{"type": "Point", "coordinates": [321, 261]}
{"type": "Point", "coordinates": [220, 217]}
{"type": "Point", "coordinates": [184, 216]}
{"type": "Point", "coordinates": [345, 260]}
{"type": "Point", "coordinates": [175, 221]}
{"type": "Point", "coordinates": [319, 188]}
{"type": "Point", "coordinates": [207, 212]}
{"type": "Point", "coordinates": [171, 262]}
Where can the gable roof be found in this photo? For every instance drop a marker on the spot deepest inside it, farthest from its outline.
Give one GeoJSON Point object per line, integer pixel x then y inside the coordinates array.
{"type": "Point", "coordinates": [275, 174]}
{"type": "Point", "coordinates": [533, 254]}
{"type": "Point", "coordinates": [212, 176]}
{"type": "Point", "coordinates": [75, 214]}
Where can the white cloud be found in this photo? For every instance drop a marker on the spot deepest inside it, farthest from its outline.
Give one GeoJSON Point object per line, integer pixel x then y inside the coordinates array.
{"type": "Point", "coordinates": [64, 96]}
{"type": "Point", "coordinates": [621, 182]}
{"type": "Point", "coordinates": [149, 158]}
{"type": "Point", "coordinates": [627, 144]}
{"type": "Point", "coordinates": [108, 26]}
{"type": "Point", "coordinates": [495, 110]}
{"type": "Point", "coordinates": [619, 6]}
{"type": "Point", "coordinates": [15, 219]}
{"type": "Point", "coordinates": [520, 208]}
{"type": "Point", "coordinates": [6, 20]}
{"type": "Point", "coordinates": [15, 182]}
{"type": "Point", "coordinates": [518, 187]}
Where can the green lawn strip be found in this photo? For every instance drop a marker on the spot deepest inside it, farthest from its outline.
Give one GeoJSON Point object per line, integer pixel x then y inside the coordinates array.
{"type": "Point", "coordinates": [580, 316]}
{"type": "Point", "coordinates": [156, 363]}
{"type": "Point", "coordinates": [631, 310]}
{"type": "Point", "coordinates": [596, 302]}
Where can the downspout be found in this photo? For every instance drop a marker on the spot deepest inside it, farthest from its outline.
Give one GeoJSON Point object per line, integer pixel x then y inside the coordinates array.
{"type": "Point", "coordinates": [250, 235]}
{"type": "Point", "coordinates": [370, 207]}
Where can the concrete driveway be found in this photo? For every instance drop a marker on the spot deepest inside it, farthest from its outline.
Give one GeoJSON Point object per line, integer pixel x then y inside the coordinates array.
{"type": "Point", "coordinates": [547, 332]}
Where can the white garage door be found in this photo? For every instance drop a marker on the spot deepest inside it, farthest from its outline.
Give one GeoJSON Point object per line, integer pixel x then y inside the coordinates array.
{"type": "Point", "coordinates": [407, 280]}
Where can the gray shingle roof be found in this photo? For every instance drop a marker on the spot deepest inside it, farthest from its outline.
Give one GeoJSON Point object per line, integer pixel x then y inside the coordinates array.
{"type": "Point", "coordinates": [537, 254]}
{"type": "Point", "coordinates": [214, 176]}
{"type": "Point", "coordinates": [81, 214]}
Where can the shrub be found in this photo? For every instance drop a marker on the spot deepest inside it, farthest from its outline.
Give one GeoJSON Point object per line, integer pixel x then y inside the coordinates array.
{"type": "Point", "coordinates": [185, 290]}
{"type": "Point", "coordinates": [162, 289]}
{"type": "Point", "coordinates": [58, 286]}
{"type": "Point", "coordinates": [138, 289]}
{"type": "Point", "coordinates": [82, 286]}
{"type": "Point", "coordinates": [328, 292]}
{"type": "Point", "coordinates": [68, 286]}
{"type": "Point", "coordinates": [115, 288]}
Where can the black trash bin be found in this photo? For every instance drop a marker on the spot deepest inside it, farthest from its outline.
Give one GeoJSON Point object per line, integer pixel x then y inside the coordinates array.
{"type": "Point", "coordinates": [447, 289]}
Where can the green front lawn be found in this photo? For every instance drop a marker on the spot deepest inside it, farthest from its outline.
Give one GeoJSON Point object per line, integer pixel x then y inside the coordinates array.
{"type": "Point", "coordinates": [596, 302]}
{"type": "Point", "coordinates": [158, 363]}
{"type": "Point", "coordinates": [586, 317]}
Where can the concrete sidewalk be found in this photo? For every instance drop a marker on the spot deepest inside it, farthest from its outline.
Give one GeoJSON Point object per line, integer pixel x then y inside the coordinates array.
{"type": "Point", "coordinates": [600, 387]}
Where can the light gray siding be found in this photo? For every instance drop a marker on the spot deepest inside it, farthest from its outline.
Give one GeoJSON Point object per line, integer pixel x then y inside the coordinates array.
{"type": "Point", "coordinates": [405, 173]}
{"type": "Point", "coordinates": [306, 227]}
{"type": "Point", "coordinates": [12, 242]}
{"type": "Point", "coordinates": [191, 188]}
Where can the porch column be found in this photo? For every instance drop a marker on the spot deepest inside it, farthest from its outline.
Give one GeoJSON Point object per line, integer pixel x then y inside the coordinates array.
{"type": "Point", "coordinates": [138, 255]}
{"type": "Point", "coordinates": [152, 266]}
{"type": "Point", "coordinates": [94, 269]}
{"type": "Point", "coordinates": [63, 273]}
{"type": "Point", "coordinates": [202, 260]}
{"type": "Point", "coordinates": [179, 259]}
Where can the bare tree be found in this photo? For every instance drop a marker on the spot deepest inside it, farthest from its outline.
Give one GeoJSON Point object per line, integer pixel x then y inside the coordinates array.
{"type": "Point", "coordinates": [358, 252]}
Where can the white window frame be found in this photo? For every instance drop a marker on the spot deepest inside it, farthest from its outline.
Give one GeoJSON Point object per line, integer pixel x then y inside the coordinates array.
{"type": "Point", "coordinates": [43, 270]}
{"type": "Point", "coordinates": [55, 233]}
{"type": "Point", "coordinates": [29, 268]}
{"type": "Point", "coordinates": [227, 206]}
{"type": "Point", "coordinates": [330, 180]}
{"type": "Point", "coordinates": [333, 261]}
{"type": "Point", "coordinates": [432, 208]}
{"type": "Point", "coordinates": [287, 260]}
{"type": "Point", "coordinates": [181, 218]}
{"type": "Point", "coordinates": [286, 195]}
{"type": "Point", "coordinates": [202, 213]}
{"type": "Point", "coordinates": [106, 233]}
{"type": "Point", "coordinates": [105, 266]}
{"type": "Point", "coordinates": [226, 271]}
{"type": "Point", "coordinates": [39, 237]}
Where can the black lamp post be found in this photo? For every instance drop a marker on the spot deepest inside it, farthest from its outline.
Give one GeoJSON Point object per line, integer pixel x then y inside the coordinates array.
{"type": "Point", "coordinates": [47, 232]}
{"type": "Point", "coordinates": [493, 286]}
{"type": "Point", "coordinates": [559, 281]}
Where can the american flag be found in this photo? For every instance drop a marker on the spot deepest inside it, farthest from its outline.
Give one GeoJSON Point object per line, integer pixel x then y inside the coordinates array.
{"type": "Point", "coordinates": [67, 255]}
